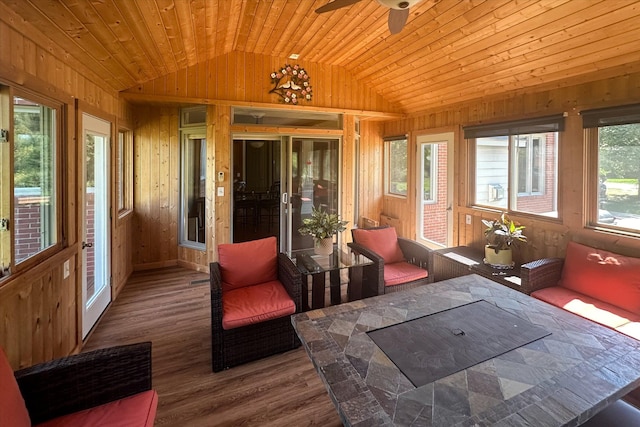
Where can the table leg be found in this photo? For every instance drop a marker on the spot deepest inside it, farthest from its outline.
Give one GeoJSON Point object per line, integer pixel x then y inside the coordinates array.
{"type": "Point", "coordinates": [335, 287]}
{"type": "Point", "coordinates": [354, 289]}
{"type": "Point", "coordinates": [317, 291]}
{"type": "Point", "coordinates": [305, 292]}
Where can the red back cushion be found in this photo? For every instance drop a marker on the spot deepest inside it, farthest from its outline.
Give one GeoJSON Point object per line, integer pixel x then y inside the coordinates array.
{"type": "Point", "coordinates": [248, 263]}
{"type": "Point", "coordinates": [383, 241]}
{"type": "Point", "coordinates": [607, 276]}
{"type": "Point", "coordinates": [13, 412]}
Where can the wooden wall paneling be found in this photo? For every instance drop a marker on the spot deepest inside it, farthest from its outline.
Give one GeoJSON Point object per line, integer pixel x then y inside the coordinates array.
{"type": "Point", "coordinates": [181, 82]}
{"type": "Point", "coordinates": [572, 162]}
{"type": "Point", "coordinates": [548, 237]}
{"type": "Point", "coordinates": [370, 164]}
{"type": "Point", "coordinates": [222, 141]}
{"type": "Point", "coordinates": [348, 173]}
{"type": "Point", "coordinates": [222, 78]}
{"type": "Point", "coordinates": [160, 179]}
{"type": "Point", "coordinates": [211, 210]}
{"type": "Point", "coordinates": [192, 81]}
{"type": "Point", "coordinates": [37, 313]}
{"type": "Point", "coordinates": [142, 195]}
{"type": "Point", "coordinates": [172, 149]}
{"type": "Point", "coordinates": [227, 80]}
{"type": "Point", "coordinates": [156, 188]}
{"type": "Point", "coordinates": [239, 71]}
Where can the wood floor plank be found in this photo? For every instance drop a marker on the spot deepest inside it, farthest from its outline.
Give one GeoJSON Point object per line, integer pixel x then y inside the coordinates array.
{"type": "Point", "coordinates": [162, 306]}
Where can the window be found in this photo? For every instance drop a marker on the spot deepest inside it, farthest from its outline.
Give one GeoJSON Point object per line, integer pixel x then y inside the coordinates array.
{"type": "Point", "coordinates": [529, 152]}
{"type": "Point", "coordinates": [124, 163]}
{"type": "Point", "coordinates": [29, 198]}
{"type": "Point", "coordinates": [613, 135]}
{"type": "Point", "coordinates": [194, 176]}
{"type": "Point", "coordinates": [396, 166]}
{"type": "Point", "coordinates": [515, 165]}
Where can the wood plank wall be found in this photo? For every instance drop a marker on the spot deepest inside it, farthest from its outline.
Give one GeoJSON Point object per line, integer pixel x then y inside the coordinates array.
{"type": "Point", "coordinates": [39, 310]}
{"type": "Point", "coordinates": [156, 187]}
{"type": "Point", "coordinates": [547, 237]}
{"type": "Point", "coordinates": [245, 77]}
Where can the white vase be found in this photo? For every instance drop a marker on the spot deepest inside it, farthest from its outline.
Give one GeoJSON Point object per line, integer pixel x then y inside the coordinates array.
{"type": "Point", "coordinates": [504, 257]}
{"type": "Point", "coordinates": [323, 246]}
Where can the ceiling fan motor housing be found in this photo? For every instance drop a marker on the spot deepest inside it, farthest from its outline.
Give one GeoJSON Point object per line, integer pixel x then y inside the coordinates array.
{"type": "Point", "coordinates": [399, 5]}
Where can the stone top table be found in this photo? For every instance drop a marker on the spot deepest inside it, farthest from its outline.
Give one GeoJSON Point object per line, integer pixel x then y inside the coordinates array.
{"type": "Point", "coordinates": [561, 379]}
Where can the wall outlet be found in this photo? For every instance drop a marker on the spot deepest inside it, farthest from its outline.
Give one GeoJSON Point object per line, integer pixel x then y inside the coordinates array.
{"type": "Point", "coordinates": [468, 219]}
{"type": "Point", "coordinates": [65, 269]}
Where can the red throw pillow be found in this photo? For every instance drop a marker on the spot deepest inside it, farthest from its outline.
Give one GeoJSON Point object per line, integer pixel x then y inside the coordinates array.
{"type": "Point", "coordinates": [604, 275]}
{"type": "Point", "coordinates": [13, 412]}
{"type": "Point", "coordinates": [382, 241]}
{"type": "Point", "coordinates": [248, 263]}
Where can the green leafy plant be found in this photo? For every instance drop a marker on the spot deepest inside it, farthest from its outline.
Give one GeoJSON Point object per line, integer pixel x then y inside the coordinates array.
{"type": "Point", "coordinates": [322, 224]}
{"type": "Point", "coordinates": [503, 232]}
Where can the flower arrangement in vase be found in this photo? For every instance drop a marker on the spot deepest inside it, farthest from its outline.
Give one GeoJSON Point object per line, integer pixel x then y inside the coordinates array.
{"type": "Point", "coordinates": [322, 226]}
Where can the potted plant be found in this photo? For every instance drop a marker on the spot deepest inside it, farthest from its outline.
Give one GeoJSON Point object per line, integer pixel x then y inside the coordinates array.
{"type": "Point", "coordinates": [501, 234]}
{"type": "Point", "coordinates": [322, 226]}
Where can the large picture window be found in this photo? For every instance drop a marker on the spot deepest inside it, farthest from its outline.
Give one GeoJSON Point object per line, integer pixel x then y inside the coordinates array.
{"type": "Point", "coordinates": [515, 165]}
{"type": "Point", "coordinates": [396, 166]}
{"type": "Point", "coordinates": [30, 179]}
{"type": "Point", "coordinates": [614, 141]}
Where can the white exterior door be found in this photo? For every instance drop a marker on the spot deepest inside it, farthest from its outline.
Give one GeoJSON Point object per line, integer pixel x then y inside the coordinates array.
{"type": "Point", "coordinates": [96, 272]}
{"type": "Point", "coordinates": [435, 189]}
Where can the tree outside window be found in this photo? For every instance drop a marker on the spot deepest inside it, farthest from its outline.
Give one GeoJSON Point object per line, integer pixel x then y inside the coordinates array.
{"type": "Point", "coordinates": [396, 172]}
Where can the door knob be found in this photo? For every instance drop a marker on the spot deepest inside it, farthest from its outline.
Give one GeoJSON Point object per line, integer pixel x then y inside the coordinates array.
{"type": "Point", "coordinates": [87, 245]}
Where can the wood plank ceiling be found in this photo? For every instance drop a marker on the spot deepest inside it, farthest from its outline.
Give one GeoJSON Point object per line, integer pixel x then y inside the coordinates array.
{"type": "Point", "coordinates": [449, 51]}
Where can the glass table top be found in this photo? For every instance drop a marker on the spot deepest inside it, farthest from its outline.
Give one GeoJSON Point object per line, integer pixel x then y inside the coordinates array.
{"type": "Point", "coordinates": [308, 262]}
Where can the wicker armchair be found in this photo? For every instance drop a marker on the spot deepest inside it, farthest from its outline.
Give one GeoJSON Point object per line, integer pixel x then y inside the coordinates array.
{"type": "Point", "coordinates": [238, 345]}
{"type": "Point", "coordinates": [86, 380]}
{"type": "Point", "coordinates": [375, 281]}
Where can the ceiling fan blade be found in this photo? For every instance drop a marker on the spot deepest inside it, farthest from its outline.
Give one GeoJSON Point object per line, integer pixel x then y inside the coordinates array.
{"type": "Point", "coordinates": [335, 4]}
{"type": "Point", "coordinates": [397, 19]}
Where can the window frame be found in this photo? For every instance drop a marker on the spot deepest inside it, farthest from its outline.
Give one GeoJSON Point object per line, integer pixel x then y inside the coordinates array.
{"type": "Point", "coordinates": [388, 141]}
{"type": "Point", "coordinates": [7, 95]}
{"type": "Point", "coordinates": [124, 173]}
{"type": "Point", "coordinates": [592, 121]}
{"type": "Point", "coordinates": [530, 161]}
{"type": "Point", "coordinates": [511, 130]}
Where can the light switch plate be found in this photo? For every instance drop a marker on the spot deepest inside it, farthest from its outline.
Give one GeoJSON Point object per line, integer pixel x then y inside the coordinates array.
{"type": "Point", "coordinates": [220, 191]}
{"type": "Point", "coordinates": [468, 219]}
{"type": "Point", "coordinates": [66, 269]}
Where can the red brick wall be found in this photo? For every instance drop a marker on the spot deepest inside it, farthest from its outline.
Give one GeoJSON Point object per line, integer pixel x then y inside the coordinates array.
{"type": "Point", "coordinates": [27, 228]}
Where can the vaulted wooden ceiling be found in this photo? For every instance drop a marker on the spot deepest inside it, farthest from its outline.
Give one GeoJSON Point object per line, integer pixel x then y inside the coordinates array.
{"type": "Point", "coordinates": [449, 50]}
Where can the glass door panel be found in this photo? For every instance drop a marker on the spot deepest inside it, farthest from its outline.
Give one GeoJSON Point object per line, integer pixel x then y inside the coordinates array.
{"type": "Point", "coordinates": [314, 183]}
{"type": "Point", "coordinates": [96, 289]}
{"type": "Point", "coordinates": [434, 190]}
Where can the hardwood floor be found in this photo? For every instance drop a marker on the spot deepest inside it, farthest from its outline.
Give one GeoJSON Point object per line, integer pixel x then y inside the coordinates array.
{"type": "Point", "coordinates": [165, 307]}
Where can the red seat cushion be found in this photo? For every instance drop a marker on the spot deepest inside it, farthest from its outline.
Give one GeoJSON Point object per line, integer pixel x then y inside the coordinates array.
{"type": "Point", "coordinates": [254, 304]}
{"type": "Point", "coordinates": [137, 410]}
{"type": "Point", "coordinates": [402, 272]}
{"type": "Point", "coordinates": [382, 241]}
{"type": "Point", "coordinates": [248, 263]}
{"type": "Point", "coordinates": [586, 306]}
{"type": "Point", "coordinates": [13, 411]}
{"type": "Point", "coordinates": [603, 275]}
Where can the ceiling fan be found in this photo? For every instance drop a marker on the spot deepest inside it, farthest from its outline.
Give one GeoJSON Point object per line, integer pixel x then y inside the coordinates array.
{"type": "Point", "coordinates": [398, 11]}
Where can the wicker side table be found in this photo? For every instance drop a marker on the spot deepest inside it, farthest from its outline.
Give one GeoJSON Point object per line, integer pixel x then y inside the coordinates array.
{"type": "Point", "coordinates": [463, 260]}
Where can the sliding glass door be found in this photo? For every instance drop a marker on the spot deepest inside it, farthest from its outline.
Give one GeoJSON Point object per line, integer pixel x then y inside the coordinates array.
{"type": "Point", "coordinates": [277, 182]}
